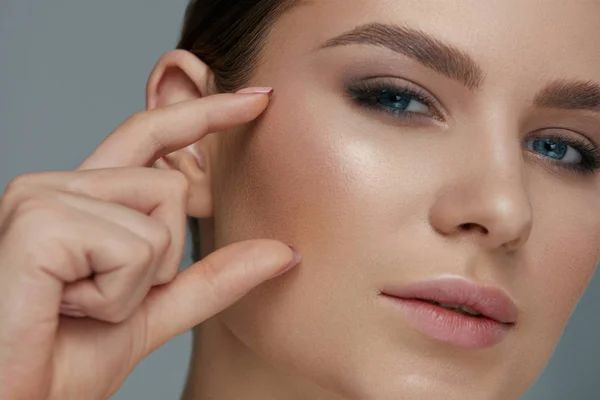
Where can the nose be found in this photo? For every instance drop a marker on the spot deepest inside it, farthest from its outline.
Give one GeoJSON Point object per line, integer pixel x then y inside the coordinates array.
{"type": "Point", "coordinates": [489, 203]}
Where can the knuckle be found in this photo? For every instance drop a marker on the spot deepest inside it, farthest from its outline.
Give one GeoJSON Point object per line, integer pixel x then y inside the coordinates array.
{"type": "Point", "coordinates": [40, 229]}
{"type": "Point", "coordinates": [116, 303]}
{"type": "Point", "coordinates": [161, 238]}
{"type": "Point", "coordinates": [16, 191]}
{"type": "Point", "coordinates": [114, 311]}
{"type": "Point", "coordinates": [150, 122]}
{"type": "Point", "coordinates": [142, 121]}
{"type": "Point", "coordinates": [210, 278]}
{"type": "Point", "coordinates": [167, 271]}
{"type": "Point", "coordinates": [80, 181]}
{"type": "Point", "coordinates": [165, 276]}
{"type": "Point", "coordinates": [138, 118]}
{"type": "Point", "coordinates": [26, 201]}
{"type": "Point", "coordinates": [36, 212]}
{"type": "Point", "coordinates": [139, 261]}
{"type": "Point", "coordinates": [20, 180]}
{"type": "Point", "coordinates": [38, 226]}
{"type": "Point", "coordinates": [177, 182]}
{"type": "Point", "coordinates": [140, 255]}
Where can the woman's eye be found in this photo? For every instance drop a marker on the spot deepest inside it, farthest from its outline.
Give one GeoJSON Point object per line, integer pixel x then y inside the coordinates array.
{"type": "Point", "coordinates": [555, 148]}
{"type": "Point", "coordinates": [575, 155]}
{"type": "Point", "coordinates": [407, 102]}
{"type": "Point", "coordinates": [404, 102]}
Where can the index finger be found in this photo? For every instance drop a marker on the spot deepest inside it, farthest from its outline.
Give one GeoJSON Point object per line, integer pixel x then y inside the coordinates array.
{"type": "Point", "coordinates": [148, 135]}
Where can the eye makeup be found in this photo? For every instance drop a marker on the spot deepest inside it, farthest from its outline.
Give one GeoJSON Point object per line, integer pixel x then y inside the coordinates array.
{"type": "Point", "coordinates": [399, 98]}
{"type": "Point", "coordinates": [411, 104]}
{"type": "Point", "coordinates": [558, 142]}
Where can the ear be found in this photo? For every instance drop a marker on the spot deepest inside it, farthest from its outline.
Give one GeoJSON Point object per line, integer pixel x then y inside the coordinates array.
{"type": "Point", "coordinates": [179, 76]}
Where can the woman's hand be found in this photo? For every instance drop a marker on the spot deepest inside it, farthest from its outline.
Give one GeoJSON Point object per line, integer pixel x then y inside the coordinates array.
{"type": "Point", "coordinates": [89, 258]}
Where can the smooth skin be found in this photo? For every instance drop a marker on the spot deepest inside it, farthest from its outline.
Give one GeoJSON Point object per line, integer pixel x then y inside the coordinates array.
{"type": "Point", "coordinates": [65, 334]}
{"type": "Point", "coordinates": [373, 200]}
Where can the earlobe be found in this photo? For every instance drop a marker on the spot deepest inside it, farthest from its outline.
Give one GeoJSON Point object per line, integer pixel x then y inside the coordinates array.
{"type": "Point", "coordinates": [180, 76]}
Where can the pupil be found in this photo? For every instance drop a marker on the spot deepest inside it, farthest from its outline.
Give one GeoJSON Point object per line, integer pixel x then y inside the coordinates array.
{"type": "Point", "coordinates": [553, 149]}
{"type": "Point", "coordinates": [392, 100]}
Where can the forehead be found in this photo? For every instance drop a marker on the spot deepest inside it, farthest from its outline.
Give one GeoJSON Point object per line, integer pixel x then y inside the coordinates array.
{"type": "Point", "coordinates": [546, 38]}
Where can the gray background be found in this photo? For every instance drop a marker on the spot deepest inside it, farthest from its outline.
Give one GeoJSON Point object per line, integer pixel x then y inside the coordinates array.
{"type": "Point", "coordinates": [71, 71]}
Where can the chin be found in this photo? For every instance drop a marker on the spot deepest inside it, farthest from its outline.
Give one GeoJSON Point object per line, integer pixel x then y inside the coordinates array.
{"type": "Point", "coordinates": [387, 385]}
{"type": "Point", "coordinates": [415, 369]}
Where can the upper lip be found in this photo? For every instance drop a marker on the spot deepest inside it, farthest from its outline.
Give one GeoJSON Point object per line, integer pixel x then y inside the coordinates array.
{"type": "Point", "coordinates": [489, 301]}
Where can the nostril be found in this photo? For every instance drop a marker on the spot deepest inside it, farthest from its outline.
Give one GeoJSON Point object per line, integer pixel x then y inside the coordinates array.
{"type": "Point", "coordinates": [470, 225]}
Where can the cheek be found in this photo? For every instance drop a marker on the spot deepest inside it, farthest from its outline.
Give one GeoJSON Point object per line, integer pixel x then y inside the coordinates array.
{"type": "Point", "coordinates": [563, 252]}
{"type": "Point", "coordinates": [354, 200]}
{"type": "Point", "coordinates": [558, 262]}
{"type": "Point", "coordinates": [303, 180]}
{"type": "Point", "coordinates": [312, 178]}
{"type": "Point", "coordinates": [315, 175]}
{"type": "Point", "coordinates": [559, 278]}
{"type": "Point", "coordinates": [304, 176]}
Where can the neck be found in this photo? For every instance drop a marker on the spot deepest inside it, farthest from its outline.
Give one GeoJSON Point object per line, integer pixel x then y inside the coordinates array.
{"type": "Point", "coordinates": [223, 368]}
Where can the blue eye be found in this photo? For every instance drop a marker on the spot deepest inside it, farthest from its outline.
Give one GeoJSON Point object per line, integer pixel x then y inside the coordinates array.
{"type": "Point", "coordinates": [402, 101]}
{"type": "Point", "coordinates": [557, 149]}
{"type": "Point", "coordinates": [576, 155]}
{"type": "Point", "coordinates": [411, 104]}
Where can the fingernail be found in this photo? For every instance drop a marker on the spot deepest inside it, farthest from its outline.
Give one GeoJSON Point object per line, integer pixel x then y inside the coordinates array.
{"type": "Point", "coordinates": [74, 314]}
{"type": "Point", "coordinates": [71, 311]}
{"type": "Point", "coordinates": [256, 90]}
{"type": "Point", "coordinates": [68, 306]}
{"type": "Point", "coordinates": [295, 261]}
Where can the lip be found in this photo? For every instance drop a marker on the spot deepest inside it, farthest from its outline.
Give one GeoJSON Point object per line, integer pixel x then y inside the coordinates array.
{"type": "Point", "coordinates": [499, 312]}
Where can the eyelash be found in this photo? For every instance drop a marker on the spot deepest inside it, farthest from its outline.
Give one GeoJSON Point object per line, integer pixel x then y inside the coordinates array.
{"type": "Point", "coordinates": [590, 154]}
{"type": "Point", "coordinates": [366, 94]}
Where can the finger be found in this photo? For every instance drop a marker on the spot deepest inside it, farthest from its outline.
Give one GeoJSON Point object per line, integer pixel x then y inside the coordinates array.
{"type": "Point", "coordinates": [209, 286]}
{"type": "Point", "coordinates": [160, 194]}
{"type": "Point", "coordinates": [68, 245]}
{"type": "Point", "coordinates": [168, 251]}
{"type": "Point", "coordinates": [140, 188]}
{"type": "Point", "coordinates": [120, 261]}
{"type": "Point", "coordinates": [161, 163]}
{"type": "Point", "coordinates": [151, 134]}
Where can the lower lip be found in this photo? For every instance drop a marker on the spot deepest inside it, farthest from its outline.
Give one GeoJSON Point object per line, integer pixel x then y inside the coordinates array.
{"type": "Point", "coordinates": [450, 326]}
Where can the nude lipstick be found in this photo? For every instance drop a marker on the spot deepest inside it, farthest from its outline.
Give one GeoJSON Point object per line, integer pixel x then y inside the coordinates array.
{"type": "Point", "coordinates": [455, 311]}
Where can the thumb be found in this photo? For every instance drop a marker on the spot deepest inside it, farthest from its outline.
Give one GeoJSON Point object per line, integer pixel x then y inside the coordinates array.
{"type": "Point", "coordinates": [209, 286]}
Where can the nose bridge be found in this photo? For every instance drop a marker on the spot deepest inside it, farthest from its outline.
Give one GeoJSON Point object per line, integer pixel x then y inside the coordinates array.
{"type": "Point", "coordinates": [486, 195]}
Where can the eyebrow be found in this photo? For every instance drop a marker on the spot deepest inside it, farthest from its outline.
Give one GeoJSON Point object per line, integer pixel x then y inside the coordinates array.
{"type": "Point", "coordinates": [419, 46]}
{"type": "Point", "coordinates": [570, 95]}
{"type": "Point", "coordinates": [456, 64]}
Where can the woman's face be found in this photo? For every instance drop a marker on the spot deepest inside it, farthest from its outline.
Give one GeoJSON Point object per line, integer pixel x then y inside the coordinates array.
{"type": "Point", "coordinates": [409, 141]}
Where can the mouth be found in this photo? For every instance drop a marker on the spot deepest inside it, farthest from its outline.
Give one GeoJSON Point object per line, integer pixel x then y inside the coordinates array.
{"type": "Point", "coordinates": [459, 308]}
{"type": "Point", "coordinates": [456, 311]}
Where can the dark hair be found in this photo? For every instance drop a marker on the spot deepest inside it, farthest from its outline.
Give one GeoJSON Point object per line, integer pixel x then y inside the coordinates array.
{"type": "Point", "coordinates": [228, 36]}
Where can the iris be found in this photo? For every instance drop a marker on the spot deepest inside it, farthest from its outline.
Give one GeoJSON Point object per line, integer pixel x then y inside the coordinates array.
{"type": "Point", "coordinates": [551, 148]}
